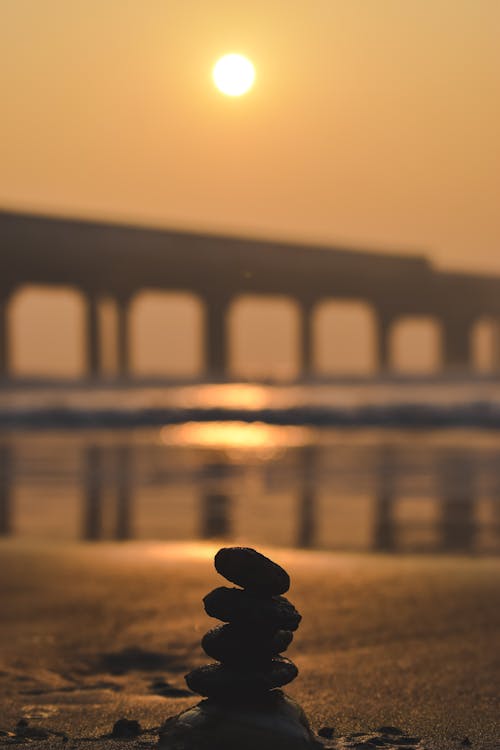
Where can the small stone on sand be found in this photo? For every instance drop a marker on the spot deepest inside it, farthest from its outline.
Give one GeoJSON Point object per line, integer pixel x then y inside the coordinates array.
{"type": "Point", "coordinates": [326, 732]}
{"type": "Point", "coordinates": [126, 729]}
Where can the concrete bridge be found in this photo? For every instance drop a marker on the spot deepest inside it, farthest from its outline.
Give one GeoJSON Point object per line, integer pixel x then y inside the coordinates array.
{"type": "Point", "coordinates": [119, 261]}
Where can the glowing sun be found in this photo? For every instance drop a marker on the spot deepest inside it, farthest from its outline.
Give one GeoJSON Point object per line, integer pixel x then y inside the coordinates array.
{"type": "Point", "coordinates": [234, 74]}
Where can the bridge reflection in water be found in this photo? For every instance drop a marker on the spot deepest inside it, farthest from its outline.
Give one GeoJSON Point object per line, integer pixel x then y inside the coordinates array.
{"type": "Point", "coordinates": [362, 491]}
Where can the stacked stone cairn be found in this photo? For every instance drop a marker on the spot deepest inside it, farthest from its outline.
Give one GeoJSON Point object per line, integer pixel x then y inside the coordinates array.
{"type": "Point", "coordinates": [245, 709]}
{"type": "Point", "coordinates": [260, 627]}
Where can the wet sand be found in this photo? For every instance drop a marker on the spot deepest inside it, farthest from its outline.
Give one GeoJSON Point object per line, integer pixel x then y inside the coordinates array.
{"type": "Point", "coordinates": [91, 633]}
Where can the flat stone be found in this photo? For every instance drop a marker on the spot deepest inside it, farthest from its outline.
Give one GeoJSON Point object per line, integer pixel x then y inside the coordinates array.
{"type": "Point", "coordinates": [276, 723]}
{"type": "Point", "coordinates": [248, 568]}
{"type": "Point", "coordinates": [219, 680]}
{"type": "Point", "coordinates": [246, 608]}
{"type": "Point", "coordinates": [235, 644]}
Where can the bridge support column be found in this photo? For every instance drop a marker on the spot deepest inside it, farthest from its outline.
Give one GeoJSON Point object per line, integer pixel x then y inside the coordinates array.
{"type": "Point", "coordinates": [123, 336]}
{"type": "Point", "coordinates": [456, 338]}
{"type": "Point", "coordinates": [306, 339]}
{"type": "Point", "coordinates": [495, 354]}
{"type": "Point", "coordinates": [4, 337]}
{"type": "Point", "coordinates": [93, 337]}
{"type": "Point", "coordinates": [216, 339]}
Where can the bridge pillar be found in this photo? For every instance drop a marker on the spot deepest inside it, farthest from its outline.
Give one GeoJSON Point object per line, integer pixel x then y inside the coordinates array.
{"type": "Point", "coordinates": [215, 338]}
{"type": "Point", "coordinates": [456, 337]}
{"type": "Point", "coordinates": [93, 338]}
{"type": "Point", "coordinates": [306, 339]}
{"type": "Point", "coordinates": [4, 336]}
{"type": "Point", "coordinates": [495, 354]}
{"type": "Point", "coordinates": [123, 336]}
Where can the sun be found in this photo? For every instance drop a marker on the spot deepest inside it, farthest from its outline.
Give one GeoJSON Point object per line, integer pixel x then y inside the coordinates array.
{"type": "Point", "coordinates": [234, 74]}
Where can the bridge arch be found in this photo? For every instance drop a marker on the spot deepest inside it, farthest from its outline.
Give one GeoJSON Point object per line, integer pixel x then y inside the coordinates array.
{"type": "Point", "coordinates": [344, 337]}
{"type": "Point", "coordinates": [165, 329]}
{"type": "Point", "coordinates": [416, 344]}
{"type": "Point", "coordinates": [47, 332]}
{"type": "Point", "coordinates": [273, 355]}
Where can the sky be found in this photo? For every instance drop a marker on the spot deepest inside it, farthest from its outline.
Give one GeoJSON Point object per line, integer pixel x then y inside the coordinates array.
{"type": "Point", "coordinates": [372, 123]}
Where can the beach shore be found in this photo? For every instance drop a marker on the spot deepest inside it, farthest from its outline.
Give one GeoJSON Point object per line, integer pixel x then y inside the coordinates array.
{"type": "Point", "coordinates": [91, 633]}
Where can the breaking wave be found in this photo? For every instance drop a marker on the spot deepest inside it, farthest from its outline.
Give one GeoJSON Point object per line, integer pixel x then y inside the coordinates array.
{"type": "Point", "coordinates": [395, 415]}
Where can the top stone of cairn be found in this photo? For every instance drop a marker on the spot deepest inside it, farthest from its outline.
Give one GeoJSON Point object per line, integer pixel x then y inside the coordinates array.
{"type": "Point", "coordinates": [252, 571]}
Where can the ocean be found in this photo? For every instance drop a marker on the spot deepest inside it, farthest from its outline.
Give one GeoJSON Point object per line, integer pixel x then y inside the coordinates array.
{"type": "Point", "coordinates": [394, 466]}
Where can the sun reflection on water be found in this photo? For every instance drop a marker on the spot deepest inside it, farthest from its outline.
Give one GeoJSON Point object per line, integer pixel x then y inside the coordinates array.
{"type": "Point", "coordinates": [240, 436]}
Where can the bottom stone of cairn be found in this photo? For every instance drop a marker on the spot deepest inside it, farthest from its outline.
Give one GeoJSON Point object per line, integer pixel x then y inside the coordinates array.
{"type": "Point", "coordinates": [276, 723]}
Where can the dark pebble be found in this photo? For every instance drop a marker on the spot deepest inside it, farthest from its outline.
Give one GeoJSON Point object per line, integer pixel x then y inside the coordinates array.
{"type": "Point", "coordinates": [217, 680]}
{"type": "Point", "coordinates": [31, 733]}
{"type": "Point", "coordinates": [243, 607]}
{"type": "Point", "coordinates": [326, 732]}
{"type": "Point", "coordinates": [124, 729]}
{"type": "Point", "coordinates": [234, 644]}
{"type": "Point", "coordinates": [248, 568]}
{"type": "Point", "coordinates": [390, 730]}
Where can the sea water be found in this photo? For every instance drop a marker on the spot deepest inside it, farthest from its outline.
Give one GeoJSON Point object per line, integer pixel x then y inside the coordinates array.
{"type": "Point", "coordinates": [390, 467]}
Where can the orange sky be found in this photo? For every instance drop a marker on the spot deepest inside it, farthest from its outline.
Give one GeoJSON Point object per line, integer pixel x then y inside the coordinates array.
{"type": "Point", "coordinates": [372, 122]}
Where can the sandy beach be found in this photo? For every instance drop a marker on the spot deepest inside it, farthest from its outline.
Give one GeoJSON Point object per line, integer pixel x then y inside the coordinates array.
{"type": "Point", "coordinates": [90, 634]}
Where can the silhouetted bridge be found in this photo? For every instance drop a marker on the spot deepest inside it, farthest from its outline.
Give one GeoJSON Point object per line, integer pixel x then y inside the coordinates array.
{"type": "Point", "coordinates": [118, 261]}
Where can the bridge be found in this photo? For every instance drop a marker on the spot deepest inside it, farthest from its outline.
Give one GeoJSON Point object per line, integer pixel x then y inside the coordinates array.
{"type": "Point", "coordinates": [114, 261]}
